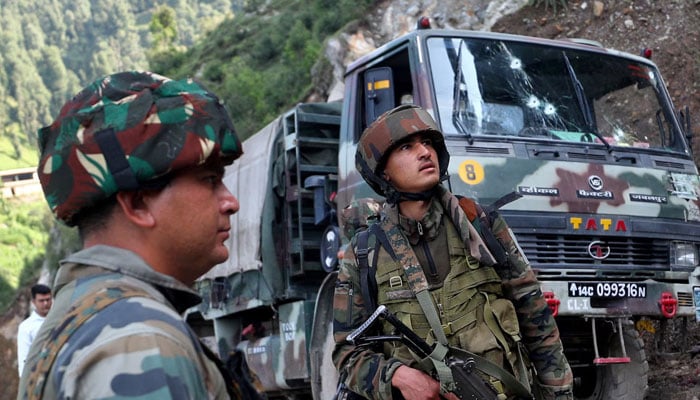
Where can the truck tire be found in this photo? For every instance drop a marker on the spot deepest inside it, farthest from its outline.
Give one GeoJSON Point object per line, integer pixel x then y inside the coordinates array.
{"type": "Point", "coordinates": [329, 374]}
{"type": "Point", "coordinates": [617, 381]}
{"type": "Point", "coordinates": [325, 376]}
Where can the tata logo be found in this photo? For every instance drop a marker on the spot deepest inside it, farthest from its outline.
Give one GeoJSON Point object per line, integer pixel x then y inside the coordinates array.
{"type": "Point", "coordinates": [595, 224]}
{"type": "Point", "coordinates": [598, 250]}
{"type": "Point", "coordinates": [595, 182]}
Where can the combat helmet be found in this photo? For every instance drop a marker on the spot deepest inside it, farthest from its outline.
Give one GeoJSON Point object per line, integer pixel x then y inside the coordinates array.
{"type": "Point", "coordinates": [382, 136]}
{"type": "Point", "coordinates": [126, 131]}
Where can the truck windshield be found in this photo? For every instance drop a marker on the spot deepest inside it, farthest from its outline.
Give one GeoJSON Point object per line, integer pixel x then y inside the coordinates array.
{"type": "Point", "coordinates": [507, 88]}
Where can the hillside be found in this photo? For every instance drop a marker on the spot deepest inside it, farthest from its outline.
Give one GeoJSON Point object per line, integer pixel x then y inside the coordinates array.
{"type": "Point", "coordinates": [52, 48]}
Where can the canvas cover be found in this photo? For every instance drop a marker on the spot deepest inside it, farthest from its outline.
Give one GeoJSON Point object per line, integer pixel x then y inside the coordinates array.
{"type": "Point", "coordinates": [248, 180]}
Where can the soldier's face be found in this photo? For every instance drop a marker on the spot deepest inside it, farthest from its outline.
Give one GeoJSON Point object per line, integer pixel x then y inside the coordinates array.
{"type": "Point", "coordinates": [413, 165]}
{"type": "Point", "coordinates": [193, 221]}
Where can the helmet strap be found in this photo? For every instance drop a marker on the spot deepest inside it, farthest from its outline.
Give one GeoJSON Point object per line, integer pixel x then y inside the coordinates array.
{"type": "Point", "coordinates": [397, 197]}
{"type": "Point", "coordinates": [393, 196]}
{"type": "Point", "coordinates": [114, 155]}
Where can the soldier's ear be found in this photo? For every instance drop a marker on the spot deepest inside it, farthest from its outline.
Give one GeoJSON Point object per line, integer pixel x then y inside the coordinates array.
{"type": "Point", "coordinates": [135, 206]}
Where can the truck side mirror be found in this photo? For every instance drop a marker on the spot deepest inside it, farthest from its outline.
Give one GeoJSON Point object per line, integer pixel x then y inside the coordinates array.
{"type": "Point", "coordinates": [379, 93]}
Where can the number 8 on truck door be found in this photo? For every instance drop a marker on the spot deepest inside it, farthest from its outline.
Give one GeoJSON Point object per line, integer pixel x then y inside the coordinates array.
{"type": "Point", "coordinates": [471, 172]}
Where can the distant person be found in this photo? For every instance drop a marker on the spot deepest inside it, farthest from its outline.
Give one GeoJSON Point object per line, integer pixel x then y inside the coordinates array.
{"type": "Point", "coordinates": [135, 161]}
{"type": "Point", "coordinates": [41, 304]}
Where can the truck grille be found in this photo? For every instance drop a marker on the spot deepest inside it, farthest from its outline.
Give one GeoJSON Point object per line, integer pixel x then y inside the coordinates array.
{"type": "Point", "coordinates": [572, 251]}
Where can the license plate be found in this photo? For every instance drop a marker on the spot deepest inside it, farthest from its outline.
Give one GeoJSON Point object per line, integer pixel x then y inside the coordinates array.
{"type": "Point", "coordinates": [620, 290]}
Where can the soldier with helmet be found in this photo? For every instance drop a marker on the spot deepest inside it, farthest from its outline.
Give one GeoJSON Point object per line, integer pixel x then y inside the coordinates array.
{"type": "Point", "coordinates": [435, 272]}
{"type": "Point", "coordinates": [135, 161]}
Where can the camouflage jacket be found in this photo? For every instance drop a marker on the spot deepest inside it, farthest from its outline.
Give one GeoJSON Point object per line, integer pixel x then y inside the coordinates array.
{"type": "Point", "coordinates": [369, 372]}
{"type": "Point", "coordinates": [138, 347]}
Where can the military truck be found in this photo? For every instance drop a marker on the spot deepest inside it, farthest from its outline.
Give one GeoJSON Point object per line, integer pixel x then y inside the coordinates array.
{"type": "Point", "coordinates": [608, 213]}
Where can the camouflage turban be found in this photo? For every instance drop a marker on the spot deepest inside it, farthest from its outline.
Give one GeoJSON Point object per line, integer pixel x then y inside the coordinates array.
{"type": "Point", "coordinates": [126, 130]}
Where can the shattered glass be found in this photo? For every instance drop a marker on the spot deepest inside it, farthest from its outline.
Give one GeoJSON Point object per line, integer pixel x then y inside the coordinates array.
{"type": "Point", "coordinates": [502, 88]}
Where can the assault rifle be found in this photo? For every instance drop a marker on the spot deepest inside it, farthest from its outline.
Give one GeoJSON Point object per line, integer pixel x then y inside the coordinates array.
{"type": "Point", "coordinates": [468, 384]}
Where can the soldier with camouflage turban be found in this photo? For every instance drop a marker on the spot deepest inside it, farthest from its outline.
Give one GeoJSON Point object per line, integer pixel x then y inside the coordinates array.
{"type": "Point", "coordinates": [135, 161]}
{"type": "Point", "coordinates": [433, 264]}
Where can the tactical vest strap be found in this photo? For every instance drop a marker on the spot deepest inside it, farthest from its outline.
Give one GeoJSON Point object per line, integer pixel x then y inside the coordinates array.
{"type": "Point", "coordinates": [368, 278]}
{"type": "Point", "coordinates": [491, 322]}
{"type": "Point", "coordinates": [482, 224]}
{"type": "Point", "coordinates": [366, 272]}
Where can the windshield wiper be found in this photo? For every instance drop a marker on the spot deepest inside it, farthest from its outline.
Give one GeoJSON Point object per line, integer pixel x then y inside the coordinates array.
{"type": "Point", "coordinates": [457, 112]}
{"type": "Point", "coordinates": [583, 104]}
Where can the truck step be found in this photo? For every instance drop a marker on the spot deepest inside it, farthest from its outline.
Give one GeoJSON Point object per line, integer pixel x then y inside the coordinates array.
{"type": "Point", "coordinates": [611, 360]}
{"type": "Point", "coordinates": [622, 359]}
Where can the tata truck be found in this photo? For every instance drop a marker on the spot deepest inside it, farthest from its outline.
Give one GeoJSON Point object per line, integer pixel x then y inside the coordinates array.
{"type": "Point", "coordinates": [607, 208]}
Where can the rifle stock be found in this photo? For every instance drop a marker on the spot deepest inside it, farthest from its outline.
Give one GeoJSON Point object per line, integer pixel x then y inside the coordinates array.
{"type": "Point", "coordinates": [469, 385]}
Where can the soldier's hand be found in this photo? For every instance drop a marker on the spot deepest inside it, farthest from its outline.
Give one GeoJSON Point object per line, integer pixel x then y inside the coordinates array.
{"type": "Point", "coordinates": [416, 385]}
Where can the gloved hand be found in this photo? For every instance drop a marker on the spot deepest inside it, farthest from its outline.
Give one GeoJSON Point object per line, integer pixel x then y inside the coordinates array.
{"type": "Point", "coordinates": [547, 392]}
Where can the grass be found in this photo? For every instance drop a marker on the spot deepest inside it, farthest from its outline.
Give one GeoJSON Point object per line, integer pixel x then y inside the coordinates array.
{"type": "Point", "coordinates": [8, 156]}
{"type": "Point", "coordinates": [24, 231]}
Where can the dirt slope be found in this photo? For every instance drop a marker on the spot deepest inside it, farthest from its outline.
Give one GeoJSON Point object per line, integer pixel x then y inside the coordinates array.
{"type": "Point", "coordinates": [671, 30]}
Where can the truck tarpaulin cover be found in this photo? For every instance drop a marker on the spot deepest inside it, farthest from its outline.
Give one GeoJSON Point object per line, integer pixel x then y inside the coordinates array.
{"type": "Point", "coordinates": [247, 179]}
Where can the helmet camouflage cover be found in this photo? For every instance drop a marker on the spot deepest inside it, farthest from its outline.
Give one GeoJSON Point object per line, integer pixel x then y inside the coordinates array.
{"type": "Point", "coordinates": [126, 130]}
{"type": "Point", "coordinates": [388, 130]}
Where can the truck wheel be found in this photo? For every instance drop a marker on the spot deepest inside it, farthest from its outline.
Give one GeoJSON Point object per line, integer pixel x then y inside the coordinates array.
{"type": "Point", "coordinates": [325, 376]}
{"type": "Point", "coordinates": [329, 375]}
{"type": "Point", "coordinates": [616, 381]}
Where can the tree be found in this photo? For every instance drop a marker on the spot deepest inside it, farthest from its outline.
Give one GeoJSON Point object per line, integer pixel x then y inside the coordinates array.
{"type": "Point", "coordinates": [163, 28]}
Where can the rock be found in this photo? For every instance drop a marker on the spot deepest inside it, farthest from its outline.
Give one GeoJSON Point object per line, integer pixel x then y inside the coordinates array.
{"type": "Point", "coordinates": [598, 7]}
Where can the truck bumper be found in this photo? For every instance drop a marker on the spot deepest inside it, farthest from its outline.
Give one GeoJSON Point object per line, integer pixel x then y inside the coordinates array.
{"type": "Point", "coordinates": [650, 298]}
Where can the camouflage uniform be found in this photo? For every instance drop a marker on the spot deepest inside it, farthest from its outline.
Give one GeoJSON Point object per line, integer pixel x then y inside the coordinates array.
{"type": "Point", "coordinates": [147, 351]}
{"type": "Point", "coordinates": [467, 286]}
{"type": "Point", "coordinates": [124, 132]}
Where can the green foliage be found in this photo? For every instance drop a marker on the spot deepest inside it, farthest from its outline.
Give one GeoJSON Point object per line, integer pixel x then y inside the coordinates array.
{"type": "Point", "coordinates": [50, 49]}
{"type": "Point", "coordinates": [163, 28]}
{"type": "Point", "coordinates": [24, 228]}
{"type": "Point", "coordinates": [260, 62]}
{"type": "Point", "coordinates": [15, 152]}
{"type": "Point", "coordinates": [548, 3]}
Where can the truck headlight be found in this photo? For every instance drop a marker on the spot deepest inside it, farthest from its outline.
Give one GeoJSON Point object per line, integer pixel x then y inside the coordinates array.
{"type": "Point", "coordinates": [684, 254]}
